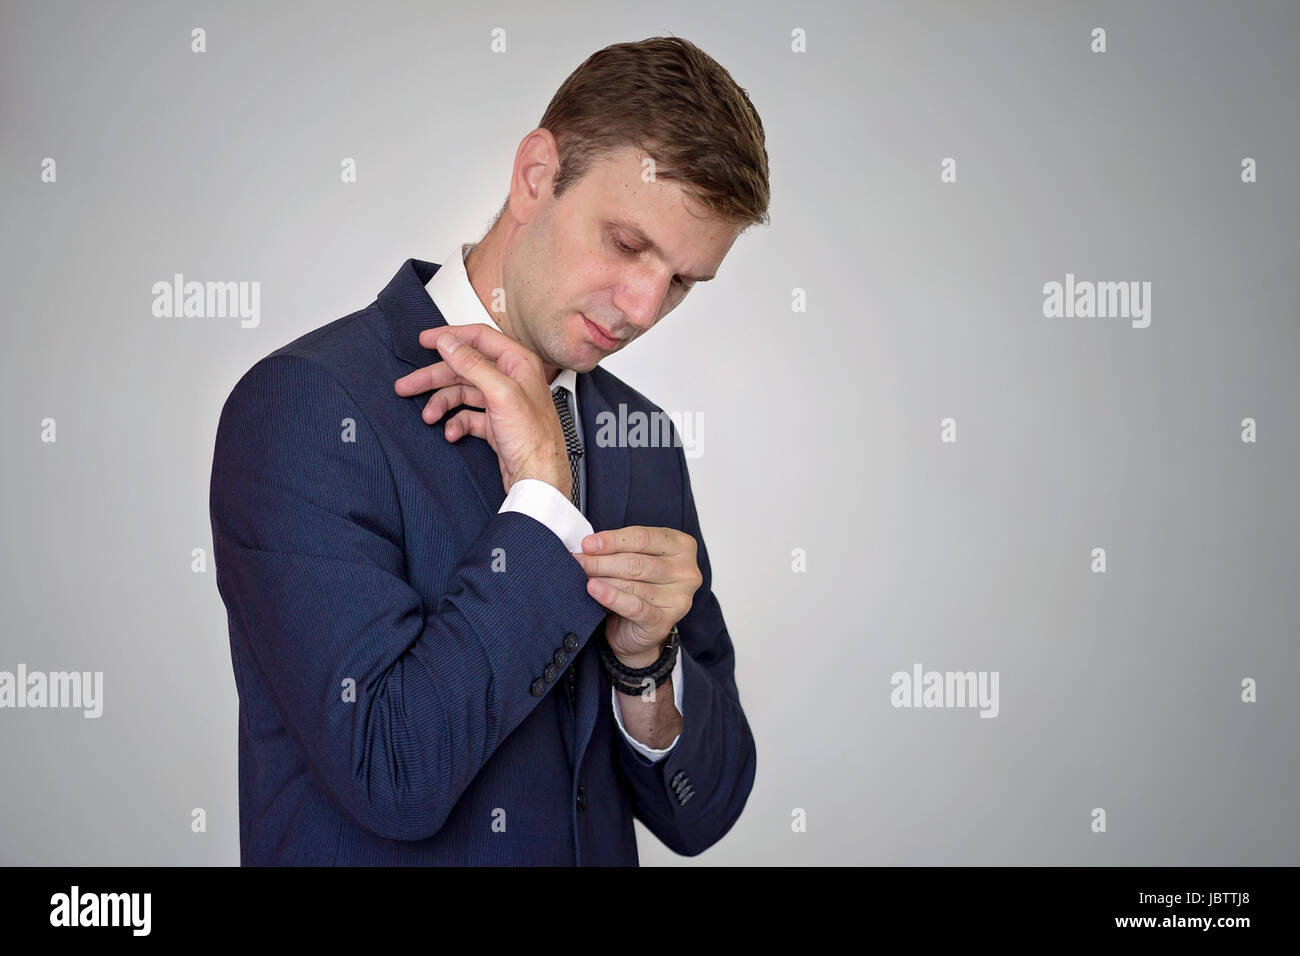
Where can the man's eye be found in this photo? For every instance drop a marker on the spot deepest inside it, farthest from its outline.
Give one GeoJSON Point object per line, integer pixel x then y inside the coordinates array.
{"type": "Point", "coordinates": [628, 249]}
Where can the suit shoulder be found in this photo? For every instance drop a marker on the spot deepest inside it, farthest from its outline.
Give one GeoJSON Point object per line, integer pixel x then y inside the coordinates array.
{"type": "Point", "coordinates": [338, 344]}
{"type": "Point", "coordinates": [337, 349]}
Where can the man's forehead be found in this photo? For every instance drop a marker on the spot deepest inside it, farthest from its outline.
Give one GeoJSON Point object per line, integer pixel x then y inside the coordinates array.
{"type": "Point", "coordinates": [622, 177]}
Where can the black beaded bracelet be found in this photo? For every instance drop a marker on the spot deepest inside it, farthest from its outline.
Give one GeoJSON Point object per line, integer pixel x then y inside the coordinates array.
{"type": "Point", "coordinates": [631, 680]}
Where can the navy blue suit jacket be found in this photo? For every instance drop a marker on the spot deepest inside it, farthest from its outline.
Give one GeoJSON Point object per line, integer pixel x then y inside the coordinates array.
{"type": "Point", "coordinates": [355, 548]}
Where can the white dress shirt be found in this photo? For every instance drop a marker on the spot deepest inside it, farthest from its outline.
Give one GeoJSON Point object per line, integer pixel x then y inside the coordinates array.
{"type": "Point", "coordinates": [459, 304]}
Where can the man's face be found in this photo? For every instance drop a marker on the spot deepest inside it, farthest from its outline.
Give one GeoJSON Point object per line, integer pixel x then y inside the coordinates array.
{"type": "Point", "coordinates": [571, 264]}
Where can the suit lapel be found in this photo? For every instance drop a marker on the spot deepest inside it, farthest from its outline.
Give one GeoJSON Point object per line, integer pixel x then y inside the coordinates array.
{"type": "Point", "coordinates": [410, 310]}
{"type": "Point", "coordinates": [607, 494]}
{"type": "Point", "coordinates": [606, 467]}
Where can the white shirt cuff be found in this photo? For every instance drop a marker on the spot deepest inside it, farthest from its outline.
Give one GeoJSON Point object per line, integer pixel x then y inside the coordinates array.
{"type": "Point", "coordinates": [543, 501]}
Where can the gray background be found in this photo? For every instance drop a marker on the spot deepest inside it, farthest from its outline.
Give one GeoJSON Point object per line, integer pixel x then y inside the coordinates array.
{"type": "Point", "coordinates": [1117, 690]}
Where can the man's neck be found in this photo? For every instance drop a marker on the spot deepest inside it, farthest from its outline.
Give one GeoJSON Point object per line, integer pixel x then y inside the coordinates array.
{"type": "Point", "coordinates": [483, 269]}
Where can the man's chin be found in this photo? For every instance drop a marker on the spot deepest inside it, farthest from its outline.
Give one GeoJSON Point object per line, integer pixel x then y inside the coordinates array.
{"type": "Point", "coordinates": [586, 357]}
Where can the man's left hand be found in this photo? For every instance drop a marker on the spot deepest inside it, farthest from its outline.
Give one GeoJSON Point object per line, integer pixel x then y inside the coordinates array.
{"type": "Point", "coordinates": [647, 578]}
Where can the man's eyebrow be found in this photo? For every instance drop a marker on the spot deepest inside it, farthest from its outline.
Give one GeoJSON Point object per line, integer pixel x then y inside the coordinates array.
{"type": "Point", "coordinates": [639, 235]}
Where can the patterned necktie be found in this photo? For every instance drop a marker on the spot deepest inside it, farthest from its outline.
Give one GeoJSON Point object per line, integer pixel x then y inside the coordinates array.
{"type": "Point", "coordinates": [560, 395]}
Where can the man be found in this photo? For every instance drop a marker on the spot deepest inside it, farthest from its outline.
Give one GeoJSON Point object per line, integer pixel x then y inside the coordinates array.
{"type": "Point", "coordinates": [409, 576]}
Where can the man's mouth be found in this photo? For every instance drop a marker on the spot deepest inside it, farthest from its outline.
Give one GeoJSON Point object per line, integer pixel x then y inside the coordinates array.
{"type": "Point", "coordinates": [598, 335]}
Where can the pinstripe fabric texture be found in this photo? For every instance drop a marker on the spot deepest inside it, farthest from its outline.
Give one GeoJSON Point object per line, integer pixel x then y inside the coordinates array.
{"type": "Point", "coordinates": [388, 628]}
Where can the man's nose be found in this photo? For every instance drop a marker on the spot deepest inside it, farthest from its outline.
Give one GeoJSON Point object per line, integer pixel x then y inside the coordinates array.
{"type": "Point", "coordinates": [643, 319]}
{"type": "Point", "coordinates": [641, 300]}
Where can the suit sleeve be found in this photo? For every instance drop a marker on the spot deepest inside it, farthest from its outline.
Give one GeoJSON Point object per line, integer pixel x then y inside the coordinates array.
{"type": "Point", "coordinates": [691, 798]}
{"type": "Point", "coordinates": [308, 542]}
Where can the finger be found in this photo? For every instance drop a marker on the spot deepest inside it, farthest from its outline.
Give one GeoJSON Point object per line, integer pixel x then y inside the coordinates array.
{"type": "Point", "coordinates": [623, 603]}
{"type": "Point", "coordinates": [636, 538]}
{"type": "Point", "coordinates": [651, 594]}
{"type": "Point", "coordinates": [481, 336]}
{"type": "Point", "coordinates": [633, 566]}
{"type": "Point", "coordinates": [474, 367]}
{"type": "Point", "coordinates": [508, 356]}
{"type": "Point", "coordinates": [438, 375]}
{"type": "Point", "coordinates": [448, 398]}
{"type": "Point", "coordinates": [429, 337]}
{"type": "Point", "coordinates": [466, 422]}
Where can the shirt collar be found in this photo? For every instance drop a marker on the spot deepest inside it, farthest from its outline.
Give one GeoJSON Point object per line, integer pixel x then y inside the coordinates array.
{"type": "Point", "coordinates": [459, 304]}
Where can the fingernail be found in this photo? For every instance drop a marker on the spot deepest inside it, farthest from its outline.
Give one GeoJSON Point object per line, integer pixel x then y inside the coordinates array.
{"type": "Point", "coordinates": [448, 344]}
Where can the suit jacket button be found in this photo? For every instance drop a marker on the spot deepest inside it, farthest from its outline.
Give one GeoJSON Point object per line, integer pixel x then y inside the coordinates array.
{"type": "Point", "coordinates": [549, 672]}
{"type": "Point", "coordinates": [570, 641]}
{"type": "Point", "coordinates": [538, 688]}
{"type": "Point", "coordinates": [560, 657]}
{"type": "Point", "coordinates": [582, 799]}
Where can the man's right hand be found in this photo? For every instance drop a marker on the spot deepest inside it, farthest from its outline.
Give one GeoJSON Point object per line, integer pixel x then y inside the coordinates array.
{"type": "Point", "coordinates": [484, 368]}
